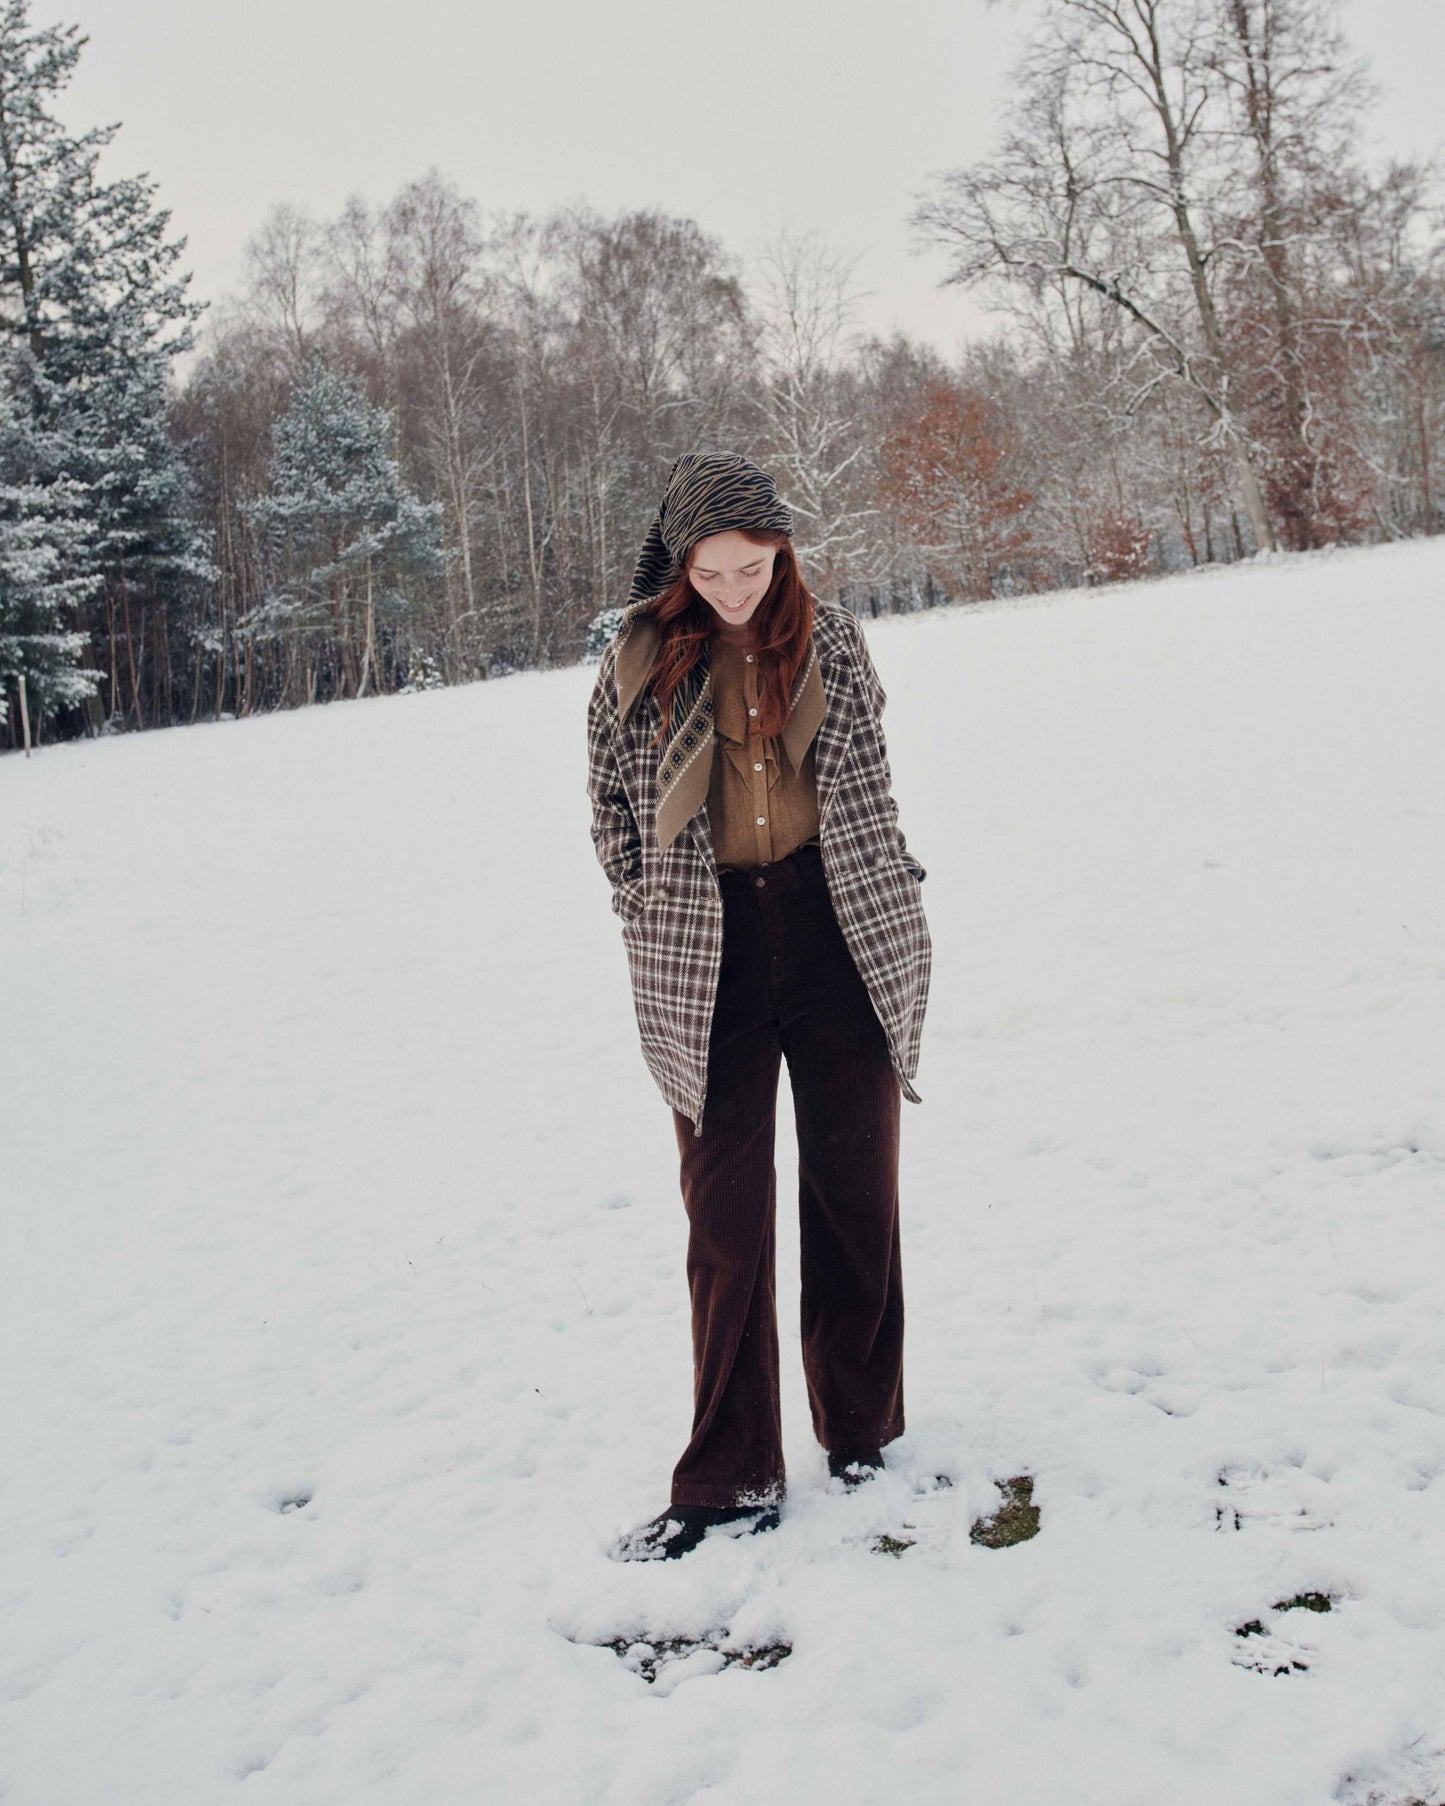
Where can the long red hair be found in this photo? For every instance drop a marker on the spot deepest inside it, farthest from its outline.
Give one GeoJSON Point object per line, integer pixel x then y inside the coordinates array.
{"type": "Point", "coordinates": [781, 624]}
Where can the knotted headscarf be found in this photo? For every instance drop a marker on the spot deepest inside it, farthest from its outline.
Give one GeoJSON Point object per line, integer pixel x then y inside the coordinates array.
{"type": "Point", "coordinates": [707, 492]}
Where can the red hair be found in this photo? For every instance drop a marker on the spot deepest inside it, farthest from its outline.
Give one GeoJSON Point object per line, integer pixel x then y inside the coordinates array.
{"type": "Point", "coordinates": [781, 623]}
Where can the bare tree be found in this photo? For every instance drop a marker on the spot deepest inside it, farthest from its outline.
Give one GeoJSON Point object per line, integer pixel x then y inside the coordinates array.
{"type": "Point", "coordinates": [1107, 186]}
{"type": "Point", "coordinates": [286, 270]}
{"type": "Point", "coordinates": [526, 266]}
{"type": "Point", "coordinates": [1292, 102]}
{"type": "Point", "coordinates": [359, 293]}
{"type": "Point", "coordinates": [1390, 281]}
{"type": "Point", "coordinates": [807, 304]}
{"type": "Point", "coordinates": [444, 302]}
{"type": "Point", "coordinates": [658, 355]}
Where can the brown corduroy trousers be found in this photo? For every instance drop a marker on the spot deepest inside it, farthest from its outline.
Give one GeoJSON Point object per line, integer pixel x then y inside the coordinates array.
{"type": "Point", "coordinates": [788, 988]}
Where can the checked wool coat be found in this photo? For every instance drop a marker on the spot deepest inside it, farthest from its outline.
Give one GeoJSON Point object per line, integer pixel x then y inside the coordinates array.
{"type": "Point", "coordinates": [650, 830]}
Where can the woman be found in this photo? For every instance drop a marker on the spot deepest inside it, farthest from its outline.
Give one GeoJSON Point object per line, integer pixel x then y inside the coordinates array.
{"type": "Point", "coordinates": [743, 814]}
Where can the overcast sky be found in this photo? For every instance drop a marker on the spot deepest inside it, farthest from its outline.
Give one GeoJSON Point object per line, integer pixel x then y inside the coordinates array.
{"type": "Point", "coordinates": [746, 115]}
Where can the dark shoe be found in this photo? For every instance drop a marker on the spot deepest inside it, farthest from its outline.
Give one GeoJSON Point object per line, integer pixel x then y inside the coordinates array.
{"type": "Point", "coordinates": [681, 1528]}
{"type": "Point", "coordinates": [853, 1470]}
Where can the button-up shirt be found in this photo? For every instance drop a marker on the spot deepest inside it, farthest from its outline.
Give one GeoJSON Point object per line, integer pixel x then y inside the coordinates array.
{"type": "Point", "coordinates": [759, 809]}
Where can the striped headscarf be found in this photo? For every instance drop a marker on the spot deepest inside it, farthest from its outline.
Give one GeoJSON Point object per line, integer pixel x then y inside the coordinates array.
{"type": "Point", "coordinates": [707, 492]}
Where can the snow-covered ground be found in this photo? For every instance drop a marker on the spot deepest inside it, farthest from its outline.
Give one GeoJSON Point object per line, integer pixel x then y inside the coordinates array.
{"type": "Point", "coordinates": [331, 1173]}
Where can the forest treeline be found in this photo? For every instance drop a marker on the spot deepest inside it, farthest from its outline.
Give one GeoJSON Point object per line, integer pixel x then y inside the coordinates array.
{"type": "Point", "coordinates": [423, 443]}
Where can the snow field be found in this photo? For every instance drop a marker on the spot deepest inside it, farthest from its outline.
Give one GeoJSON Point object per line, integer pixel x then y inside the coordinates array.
{"type": "Point", "coordinates": [330, 1171]}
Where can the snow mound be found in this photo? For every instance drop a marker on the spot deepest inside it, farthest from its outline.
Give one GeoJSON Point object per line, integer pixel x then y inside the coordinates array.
{"type": "Point", "coordinates": [341, 1296]}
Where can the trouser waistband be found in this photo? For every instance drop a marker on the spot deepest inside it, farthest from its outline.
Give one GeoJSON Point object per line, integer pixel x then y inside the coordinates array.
{"type": "Point", "coordinates": [803, 861]}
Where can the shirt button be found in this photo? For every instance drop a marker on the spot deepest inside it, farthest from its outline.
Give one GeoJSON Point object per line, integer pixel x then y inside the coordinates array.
{"type": "Point", "coordinates": [752, 711]}
{"type": "Point", "coordinates": [762, 819]}
{"type": "Point", "coordinates": [760, 882]}
{"type": "Point", "coordinates": [880, 859]}
{"type": "Point", "coordinates": [661, 891]}
{"type": "Point", "coordinates": [757, 768]}
{"type": "Point", "coordinates": [749, 657]}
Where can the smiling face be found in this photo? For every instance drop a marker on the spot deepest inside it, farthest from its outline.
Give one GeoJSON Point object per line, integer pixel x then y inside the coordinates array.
{"type": "Point", "coordinates": [731, 575]}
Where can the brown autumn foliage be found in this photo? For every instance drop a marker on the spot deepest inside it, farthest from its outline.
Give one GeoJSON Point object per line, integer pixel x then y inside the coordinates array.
{"type": "Point", "coordinates": [1119, 546]}
{"type": "Point", "coordinates": [946, 477]}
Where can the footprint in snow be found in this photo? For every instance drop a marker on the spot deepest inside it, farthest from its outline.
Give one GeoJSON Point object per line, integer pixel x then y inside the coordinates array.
{"type": "Point", "coordinates": [1264, 1648]}
{"type": "Point", "coordinates": [1278, 1498]}
{"type": "Point", "coordinates": [665, 1662]}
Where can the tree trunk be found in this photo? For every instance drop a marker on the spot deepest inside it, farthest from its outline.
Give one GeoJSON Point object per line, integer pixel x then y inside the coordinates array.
{"type": "Point", "coordinates": [130, 650]}
{"type": "Point", "coordinates": [1232, 428]}
{"type": "Point", "coordinates": [368, 663]}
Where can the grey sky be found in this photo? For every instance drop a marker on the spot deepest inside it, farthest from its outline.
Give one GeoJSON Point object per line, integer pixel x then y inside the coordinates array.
{"type": "Point", "coordinates": [746, 116]}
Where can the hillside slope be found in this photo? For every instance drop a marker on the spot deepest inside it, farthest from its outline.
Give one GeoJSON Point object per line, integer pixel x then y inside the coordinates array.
{"type": "Point", "coordinates": [341, 1295]}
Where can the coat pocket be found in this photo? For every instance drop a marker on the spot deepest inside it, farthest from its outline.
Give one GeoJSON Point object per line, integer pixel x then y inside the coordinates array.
{"type": "Point", "coordinates": [629, 899]}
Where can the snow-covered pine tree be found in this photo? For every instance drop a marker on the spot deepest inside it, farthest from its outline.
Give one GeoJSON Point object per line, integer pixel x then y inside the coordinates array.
{"type": "Point", "coordinates": [43, 580]}
{"type": "Point", "coordinates": [341, 533]}
{"type": "Point", "coordinates": [600, 629]}
{"type": "Point", "coordinates": [94, 315]}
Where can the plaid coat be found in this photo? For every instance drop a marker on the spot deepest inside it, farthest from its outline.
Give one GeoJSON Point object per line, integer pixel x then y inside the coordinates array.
{"type": "Point", "coordinates": [650, 830]}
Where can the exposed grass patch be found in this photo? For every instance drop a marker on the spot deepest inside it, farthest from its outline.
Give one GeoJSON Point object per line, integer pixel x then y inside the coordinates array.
{"type": "Point", "coordinates": [1309, 1602]}
{"type": "Point", "coordinates": [1015, 1521]}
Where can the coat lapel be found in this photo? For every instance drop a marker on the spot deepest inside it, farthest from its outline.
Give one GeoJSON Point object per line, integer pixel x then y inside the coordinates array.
{"type": "Point", "coordinates": [835, 731]}
{"type": "Point", "coordinates": [806, 710]}
{"type": "Point", "coordinates": [637, 642]}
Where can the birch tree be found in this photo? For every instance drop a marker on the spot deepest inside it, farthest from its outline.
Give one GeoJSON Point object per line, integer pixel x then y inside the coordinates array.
{"type": "Point", "coordinates": [445, 302]}
{"type": "Point", "coordinates": [807, 303]}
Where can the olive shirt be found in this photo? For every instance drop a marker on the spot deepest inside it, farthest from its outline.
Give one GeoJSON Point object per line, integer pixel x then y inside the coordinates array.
{"type": "Point", "coordinates": [758, 808]}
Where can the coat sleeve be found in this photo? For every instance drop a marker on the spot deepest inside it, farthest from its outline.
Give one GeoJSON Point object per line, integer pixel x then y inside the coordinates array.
{"type": "Point", "coordinates": [615, 835]}
{"type": "Point", "coordinates": [873, 698]}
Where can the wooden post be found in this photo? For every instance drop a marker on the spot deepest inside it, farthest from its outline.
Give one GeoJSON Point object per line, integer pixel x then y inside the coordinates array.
{"type": "Point", "coordinates": [24, 715]}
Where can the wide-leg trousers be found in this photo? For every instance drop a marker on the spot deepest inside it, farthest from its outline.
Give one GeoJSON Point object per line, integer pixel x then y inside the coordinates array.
{"type": "Point", "coordinates": [788, 989]}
